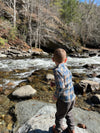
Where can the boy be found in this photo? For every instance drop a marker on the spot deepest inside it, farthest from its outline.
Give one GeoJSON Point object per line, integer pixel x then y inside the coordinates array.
{"type": "Point", "coordinates": [64, 93]}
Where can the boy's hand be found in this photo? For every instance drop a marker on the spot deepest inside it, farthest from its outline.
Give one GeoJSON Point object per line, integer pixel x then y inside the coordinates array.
{"type": "Point", "coordinates": [54, 98]}
{"type": "Point", "coordinates": [52, 83]}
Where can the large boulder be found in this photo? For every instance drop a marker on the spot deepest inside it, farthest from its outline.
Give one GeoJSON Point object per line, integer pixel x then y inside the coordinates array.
{"type": "Point", "coordinates": [41, 117]}
{"type": "Point", "coordinates": [87, 86]}
{"type": "Point", "coordinates": [24, 91]}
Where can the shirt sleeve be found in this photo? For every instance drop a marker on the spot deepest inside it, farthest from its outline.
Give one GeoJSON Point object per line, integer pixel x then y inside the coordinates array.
{"type": "Point", "coordinates": [59, 82]}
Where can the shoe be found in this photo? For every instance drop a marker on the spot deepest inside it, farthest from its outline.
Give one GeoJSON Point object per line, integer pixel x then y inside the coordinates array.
{"type": "Point", "coordinates": [68, 130]}
{"type": "Point", "coordinates": [54, 129]}
{"type": "Point", "coordinates": [82, 126]}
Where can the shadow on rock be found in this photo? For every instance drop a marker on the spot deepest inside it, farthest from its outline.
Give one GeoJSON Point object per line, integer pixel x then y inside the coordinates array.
{"type": "Point", "coordinates": [41, 131]}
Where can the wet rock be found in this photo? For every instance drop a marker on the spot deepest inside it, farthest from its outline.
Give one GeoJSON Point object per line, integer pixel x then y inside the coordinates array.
{"type": "Point", "coordinates": [24, 91]}
{"type": "Point", "coordinates": [76, 75]}
{"type": "Point", "coordinates": [87, 86]}
{"type": "Point", "coordinates": [96, 99]}
{"type": "Point", "coordinates": [92, 75]}
{"type": "Point", "coordinates": [89, 66]}
{"type": "Point", "coordinates": [49, 77]}
{"type": "Point", "coordinates": [92, 53]}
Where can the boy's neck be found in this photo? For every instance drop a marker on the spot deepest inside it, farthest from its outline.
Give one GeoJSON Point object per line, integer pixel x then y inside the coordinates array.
{"type": "Point", "coordinates": [59, 63]}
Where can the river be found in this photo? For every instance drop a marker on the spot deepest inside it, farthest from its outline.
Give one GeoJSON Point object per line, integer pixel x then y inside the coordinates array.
{"type": "Point", "coordinates": [17, 70]}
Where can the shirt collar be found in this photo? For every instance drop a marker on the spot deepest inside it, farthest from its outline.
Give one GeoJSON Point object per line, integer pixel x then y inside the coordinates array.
{"type": "Point", "coordinates": [60, 65]}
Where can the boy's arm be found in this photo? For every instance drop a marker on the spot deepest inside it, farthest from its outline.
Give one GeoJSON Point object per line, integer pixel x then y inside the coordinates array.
{"type": "Point", "coordinates": [59, 82]}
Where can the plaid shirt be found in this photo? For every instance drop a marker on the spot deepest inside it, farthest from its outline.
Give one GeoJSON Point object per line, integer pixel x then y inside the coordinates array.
{"type": "Point", "coordinates": [63, 82]}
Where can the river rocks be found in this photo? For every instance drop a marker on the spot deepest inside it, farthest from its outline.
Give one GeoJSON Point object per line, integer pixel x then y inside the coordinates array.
{"type": "Point", "coordinates": [93, 53]}
{"type": "Point", "coordinates": [95, 99]}
{"type": "Point", "coordinates": [78, 55]}
{"type": "Point", "coordinates": [3, 55]}
{"type": "Point", "coordinates": [41, 53]}
{"type": "Point", "coordinates": [88, 66]}
{"type": "Point", "coordinates": [49, 77]}
{"type": "Point", "coordinates": [24, 91]}
{"type": "Point", "coordinates": [87, 86]}
{"type": "Point", "coordinates": [14, 52]}
{"type": "Point", "coordinates": [41, 117]}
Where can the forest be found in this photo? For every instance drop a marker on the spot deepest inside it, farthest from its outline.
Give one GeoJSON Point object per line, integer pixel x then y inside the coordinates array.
{"type": "Point", "coordinates": [51, 23]}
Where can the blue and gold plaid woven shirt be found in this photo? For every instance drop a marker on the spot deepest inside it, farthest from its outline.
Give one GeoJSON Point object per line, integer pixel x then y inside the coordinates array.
{"type": "Point", "coordinates": [63, 82]}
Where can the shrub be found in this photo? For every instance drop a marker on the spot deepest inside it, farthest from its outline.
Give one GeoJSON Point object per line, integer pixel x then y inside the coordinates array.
{"type": "Point", "coordinates": [12, 34]}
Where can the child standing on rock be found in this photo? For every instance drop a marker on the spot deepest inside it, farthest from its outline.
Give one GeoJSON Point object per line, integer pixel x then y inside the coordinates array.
{"type": "Point", "coordinates": [64, 93]}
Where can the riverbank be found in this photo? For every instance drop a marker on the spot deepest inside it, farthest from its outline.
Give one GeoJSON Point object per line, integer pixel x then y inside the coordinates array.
{"type": "Point", "coordinates": [16, 73]}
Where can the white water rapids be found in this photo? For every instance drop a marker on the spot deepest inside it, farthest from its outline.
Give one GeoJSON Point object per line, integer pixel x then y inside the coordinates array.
{"type": "Point", "coordinates": [30, 65]}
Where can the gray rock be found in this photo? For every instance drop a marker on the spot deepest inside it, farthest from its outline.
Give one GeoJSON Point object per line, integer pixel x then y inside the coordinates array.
{"type": "Point", "coordinates": [14, 51]}
{"type": "Point", "coordinates": [41, 116]}
{"type": "Point", "coordinates": [27, 109]}
{"type": "Point", "coordinates": [3, 55]}
{"type": "Point", "coordinates": [44, 53]}
{"type": "Point", "coordinates": [34, 53]}
{"type": "Point", "coordinates": [49, 76]}
{"type": "Point", "coordinates": [20, 55]}
{"type": "Point", "coordinates": [26, 54]}
{"type": "Point", "coordinates": [24, 91]}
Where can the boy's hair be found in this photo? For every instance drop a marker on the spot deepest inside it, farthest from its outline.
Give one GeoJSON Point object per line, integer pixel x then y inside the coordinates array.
{"type": "Point", "coordinates": [60, 55]}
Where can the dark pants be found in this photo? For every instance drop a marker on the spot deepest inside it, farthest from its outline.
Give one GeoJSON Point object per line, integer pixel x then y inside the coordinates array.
{"type": "Point", "coordinates": [64, 110]}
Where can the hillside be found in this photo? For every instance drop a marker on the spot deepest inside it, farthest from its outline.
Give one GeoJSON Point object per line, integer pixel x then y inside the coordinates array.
{"type": "Point", "coordinates": [44, 30]}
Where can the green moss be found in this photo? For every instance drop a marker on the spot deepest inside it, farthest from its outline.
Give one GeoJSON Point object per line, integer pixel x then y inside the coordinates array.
{"type": "Point", "coordinates": [3, 41]}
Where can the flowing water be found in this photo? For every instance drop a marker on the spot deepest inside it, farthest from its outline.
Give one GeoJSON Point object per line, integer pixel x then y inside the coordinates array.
{"type": "Point", "coordinates": [16, 71]}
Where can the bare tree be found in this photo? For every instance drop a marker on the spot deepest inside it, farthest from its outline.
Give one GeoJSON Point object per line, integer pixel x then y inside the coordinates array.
{"type": "Point", "coordinates": [14, 13]}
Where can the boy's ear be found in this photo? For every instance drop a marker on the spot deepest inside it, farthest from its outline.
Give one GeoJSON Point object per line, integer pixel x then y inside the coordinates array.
{"type": "Point", "coordinates": [65, 60]}
{"type": "Point", "coordinates": [52, 58]}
